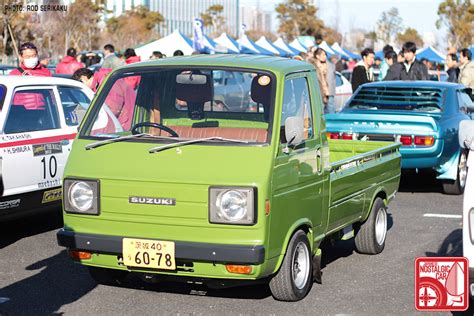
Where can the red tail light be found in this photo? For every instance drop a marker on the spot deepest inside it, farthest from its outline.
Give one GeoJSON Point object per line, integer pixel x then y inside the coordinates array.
{"type": "Point", "coordinates": [405, 140]}
{"type": "Point", "coordinates": [333, 135]}
{"type": "Point", "coordinates": [424, 140]}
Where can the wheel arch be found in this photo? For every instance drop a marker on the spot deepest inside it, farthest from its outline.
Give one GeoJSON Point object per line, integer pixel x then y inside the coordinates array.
{"type": "Point", "coordinates": [303, 224]}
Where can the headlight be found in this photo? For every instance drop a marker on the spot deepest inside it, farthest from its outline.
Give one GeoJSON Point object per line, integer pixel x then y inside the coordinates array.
{"type": "Point", "coordinates": [81, 196]}
{"type": "Point", "coordinates": [232, 205]}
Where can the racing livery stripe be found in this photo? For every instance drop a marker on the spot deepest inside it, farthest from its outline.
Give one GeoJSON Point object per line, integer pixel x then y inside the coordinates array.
{"type": "Point", "coordinates": [33, 141]}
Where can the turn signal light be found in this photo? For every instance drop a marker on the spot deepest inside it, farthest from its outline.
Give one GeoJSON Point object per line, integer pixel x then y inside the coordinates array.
{"type": "Point", "coordinates": [80, 255]}
{"type": "Point", "coordinates": [405, 140]}
{"type": "Point", "coordinates": [424, 140]}
{"type": "Point", "coordinates": [232, 268]}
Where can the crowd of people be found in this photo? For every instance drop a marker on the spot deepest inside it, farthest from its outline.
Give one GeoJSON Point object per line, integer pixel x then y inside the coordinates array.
{"type": "Point", "coordinates": [401, 66]}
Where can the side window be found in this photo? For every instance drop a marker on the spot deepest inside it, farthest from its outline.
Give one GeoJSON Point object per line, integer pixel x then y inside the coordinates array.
{"type": "Point", "coordinates": [338, 80]}
{"type": "Point", "coordinates": [32, 110]}
{"type": "Point", "coordinates": [75, 104]}
{"type": "Point", "coordinates": [296, 102]}
{"type": "Point", "coordinates": [465, 101]}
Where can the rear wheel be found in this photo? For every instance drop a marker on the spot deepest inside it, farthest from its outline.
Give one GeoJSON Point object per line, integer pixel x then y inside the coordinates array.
{"type": "Point", "coordinates": [457, 187]}
{"type": "Point", "coordinates": [370, 238]}
{"type": "Point", "coordinates": [104, 276]}
{"type": "Point", "coordinates": [294, 279]}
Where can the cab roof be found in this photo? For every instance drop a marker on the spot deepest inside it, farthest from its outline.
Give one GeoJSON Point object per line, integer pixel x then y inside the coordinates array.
{"type": "Point", "coordinates": [277, 65]}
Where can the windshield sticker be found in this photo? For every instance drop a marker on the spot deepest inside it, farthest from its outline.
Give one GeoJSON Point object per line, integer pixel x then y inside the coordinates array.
{"type": "Point", "coordinates": [10, 204]}
{"type": "Point", "coordinates": [52, 195]}
{"type": "Point", "coordinates": [264, 81]}
{"type": "Point", "coordinates": [47, 149]}
{"type": "Point", "coordinates": [17, 150]}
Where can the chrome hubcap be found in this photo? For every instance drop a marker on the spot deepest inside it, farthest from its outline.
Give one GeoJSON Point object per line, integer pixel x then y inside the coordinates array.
{"type": "Point", "coordinates": [462, 170]}
{"type": "Point", "coordinates": [381, 226]}
{"type": "Point", "coordinates": [300, 265]}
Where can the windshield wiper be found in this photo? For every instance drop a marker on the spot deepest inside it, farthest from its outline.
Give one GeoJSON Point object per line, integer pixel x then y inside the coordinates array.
{"type": "Point", "coordinates": [194, 141]}
{"type": "Point", "coordinates": [119, 139]}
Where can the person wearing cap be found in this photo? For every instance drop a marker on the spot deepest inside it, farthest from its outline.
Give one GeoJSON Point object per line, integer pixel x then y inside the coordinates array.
{"type": "Point", "coordinates": [29, 62]}
{"type": "Point", "coordinates": [69, 64]}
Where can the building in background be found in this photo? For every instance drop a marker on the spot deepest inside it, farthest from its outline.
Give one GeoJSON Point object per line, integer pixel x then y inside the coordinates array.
{"type": "Point", "coordinates": [256, 19]}
{"type": "Point", "coordinates": [179, 14]}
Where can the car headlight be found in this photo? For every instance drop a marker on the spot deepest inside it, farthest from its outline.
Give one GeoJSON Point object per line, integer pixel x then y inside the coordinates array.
{"type": "Point", "coordinates": [81, 196]}
{"type": "Point", "coordinates": [229, 205]}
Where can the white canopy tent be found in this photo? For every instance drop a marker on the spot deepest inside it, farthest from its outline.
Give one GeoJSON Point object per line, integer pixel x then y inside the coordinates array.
{"type": "Point", "coordinates": [338, 50]}
{"type": "Point", "coordinates": [227, 42]}
{"type": "Point", "coordinates": [296, 44]}
{"type": "Point", "coordinates": [280, 43]}
{"type": "Point", "coordinates": [167, 45]}
{"type": "Point", "coordinates": [326, 48]}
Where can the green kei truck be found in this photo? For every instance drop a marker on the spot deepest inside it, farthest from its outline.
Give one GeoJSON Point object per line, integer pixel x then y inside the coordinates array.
{"type": "Point", "coordinates": [218, 169]}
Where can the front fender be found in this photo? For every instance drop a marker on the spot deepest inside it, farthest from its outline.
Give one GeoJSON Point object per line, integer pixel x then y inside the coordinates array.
{"type": "Point", "coordinates": [300, 223]}
{"type": "Point", "coordinates": [449, 170]}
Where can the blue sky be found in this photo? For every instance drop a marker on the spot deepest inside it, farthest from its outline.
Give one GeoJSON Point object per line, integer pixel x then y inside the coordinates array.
{"type": "Point", "coordinates": [418, 14]}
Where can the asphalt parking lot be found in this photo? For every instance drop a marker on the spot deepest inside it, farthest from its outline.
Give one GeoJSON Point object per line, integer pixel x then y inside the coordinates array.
{"type": "Point", "coordinates": [37, 277]}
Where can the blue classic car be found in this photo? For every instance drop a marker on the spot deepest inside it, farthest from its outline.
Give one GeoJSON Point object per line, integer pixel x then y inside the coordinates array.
{"type": "Point", "coordinates": [422, 115]}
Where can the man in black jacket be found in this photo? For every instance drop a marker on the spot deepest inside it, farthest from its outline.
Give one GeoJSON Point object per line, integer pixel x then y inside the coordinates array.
{"type": "Point", "coordinates": [362, 72]}
{"type": "Point", "coordinates": [453, 69]}
{"type": "Point", "coordinates": [411, 69]}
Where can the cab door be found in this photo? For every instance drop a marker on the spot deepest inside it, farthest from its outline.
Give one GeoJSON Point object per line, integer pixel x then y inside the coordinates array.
{"type": "Point", "coordinates": [33, 141]}
{"type": "Point", "coordinates": [299, 175]}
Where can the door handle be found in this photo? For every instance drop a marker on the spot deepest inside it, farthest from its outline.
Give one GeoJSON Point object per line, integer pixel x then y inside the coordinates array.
{"type": "Point", "coordinates": [319, 161]}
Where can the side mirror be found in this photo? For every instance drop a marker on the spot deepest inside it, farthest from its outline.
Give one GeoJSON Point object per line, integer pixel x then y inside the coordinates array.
{"type": "Point", "coordinates": [466, 134]}
{"type": "Point", "coordinates": [294, 130]}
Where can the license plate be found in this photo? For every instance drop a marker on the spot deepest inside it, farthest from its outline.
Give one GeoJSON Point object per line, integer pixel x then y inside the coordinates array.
{"type": "Point", "coordinates": [145, 253]}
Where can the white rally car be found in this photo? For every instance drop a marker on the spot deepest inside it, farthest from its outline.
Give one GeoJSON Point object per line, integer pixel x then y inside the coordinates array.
{"type": "Point", "coordinates": [466, 140]}
{"type": "Point", "coordinates": [39, 118]}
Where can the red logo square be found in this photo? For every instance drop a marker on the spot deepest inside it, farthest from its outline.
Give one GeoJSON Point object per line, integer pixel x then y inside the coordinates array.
{"type": "Point", "coordinates": [441, 284]}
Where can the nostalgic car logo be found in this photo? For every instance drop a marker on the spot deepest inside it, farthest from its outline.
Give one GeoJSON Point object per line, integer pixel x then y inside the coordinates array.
{"type": "Point", "coordinates": [151, 200]}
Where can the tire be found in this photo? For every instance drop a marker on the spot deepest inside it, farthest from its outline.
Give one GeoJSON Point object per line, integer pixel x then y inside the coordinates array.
{"type": "Point", "coordinates": [111, 277]}
{"type": "Point", "coordinates": [370, 237]}
{"type": "Point", "coordinates": [457, 187]}
{"type": "Point", "coordinates": [288, 284]}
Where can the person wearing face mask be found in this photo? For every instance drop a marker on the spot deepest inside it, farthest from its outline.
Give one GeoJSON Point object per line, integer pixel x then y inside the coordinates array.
{"type": "Point", "coordinates": [29, 63]}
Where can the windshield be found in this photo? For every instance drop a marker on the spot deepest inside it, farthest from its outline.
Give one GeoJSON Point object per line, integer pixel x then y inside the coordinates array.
{"type": "Point", "coordinates": [398, 98]}
{"type": "Point", "coordinates": [187, 103]}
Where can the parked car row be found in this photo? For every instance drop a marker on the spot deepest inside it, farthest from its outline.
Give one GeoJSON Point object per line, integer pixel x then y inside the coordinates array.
{"type": "Point", "coordinates": [222, 170]}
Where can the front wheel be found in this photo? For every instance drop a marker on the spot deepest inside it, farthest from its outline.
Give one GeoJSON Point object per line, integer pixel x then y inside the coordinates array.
{"type": "Point", "coordinates": [456, 187]}
{"type": "Point", "coordinates": [110, 277]}
{"type": "Point", "coordinates": [370, 238]}
{"type": "Point", "coordinates": [294, 279]}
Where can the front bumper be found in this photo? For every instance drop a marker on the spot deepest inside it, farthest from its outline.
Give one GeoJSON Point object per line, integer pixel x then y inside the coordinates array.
{"type": "Point", "coordinates": [193, 251]}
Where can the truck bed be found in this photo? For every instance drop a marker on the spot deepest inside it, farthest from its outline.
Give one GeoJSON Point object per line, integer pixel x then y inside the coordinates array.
{"type": "Point", "coordinates": [360, 170]}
